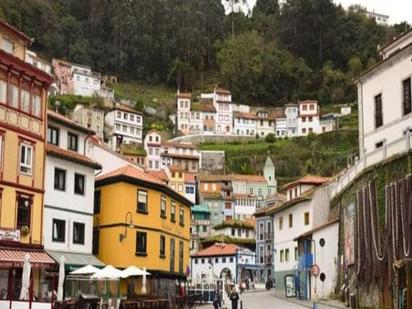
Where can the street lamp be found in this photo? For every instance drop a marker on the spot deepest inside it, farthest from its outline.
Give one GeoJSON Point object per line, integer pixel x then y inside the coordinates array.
{"type": "Point", "coordinates": [130, 224]}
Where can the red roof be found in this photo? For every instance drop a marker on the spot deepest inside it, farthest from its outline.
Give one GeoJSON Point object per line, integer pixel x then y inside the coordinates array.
{"type": "Point", "coordinates": [17, 32]}
{"type": "Point", "coordinates": [16, 257]}
{"type": "Point", "coordinates": [179, 145]}
{"type": "Point", "coordinates": [184, 95]}
{"type": "Point", "coordinates": [218, 249]}
{"type": "Point", "coordinates": [307, 180]}
{"type": "Point", "coordinates": [248, 178]}
{"type": "Point", "coordinates": [308, 102]}
{"type": "Point", "coordinates": [71, 156]}
{"type": "Point", "coordinates": [132, 172]}
{"type": "Point", "coordinates": [222, 91]}
{"type": "Point", "coordinates": [245, 115]}
{"type": "Point", "coordinates": [160, 175]}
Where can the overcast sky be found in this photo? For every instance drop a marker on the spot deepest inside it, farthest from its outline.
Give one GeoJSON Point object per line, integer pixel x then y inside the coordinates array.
{"type": "Point", "coordinates": [398, 10]}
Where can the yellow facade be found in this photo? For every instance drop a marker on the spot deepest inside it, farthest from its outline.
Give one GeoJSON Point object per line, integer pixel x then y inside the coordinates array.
{"type": "Point", "coordinates": [119, 216]}
{"type": "Point", "coordinates": [22, 130]}
{"type": "Point", "coordinates": [177, 181]}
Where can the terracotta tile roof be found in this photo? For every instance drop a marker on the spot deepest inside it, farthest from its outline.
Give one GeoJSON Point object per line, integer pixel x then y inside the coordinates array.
{"type": "Point", "coordinates": [248, 178]}
{"type": "Point", "coordinates": [179, 145]}
{"type": "Point", "coordinates": [13, 29]}
{"type": "Point", "coordinates": [132, 172]}
{"type": "Point", "coordinates": [218, 249]}
{"type": "Point", "coordinates": [245, 115]}
{"type": "Point", "coordinates": [222, 91]}
{"type": "Point", "coordinates": [308, 102]}
{"type": "Point", "coordinates": [206, 107]}
{"type": "Point", "coordinates": [160, 175]}
{"type": "Point", "coordinates": [52, 115]}
{"type": "Point", "coordinates": [125, 108]}
{"type": "Point", "coordinates": [179, 156]}
{"type": "Point", "coordinates": [184, 95]}
{"type": "Point", "coordinates": [190, 178]}
{"type": "Point", "coordinates": [307, 180]}
{"type": "Point", "coordinates": [176, 168]}
{"type": "Point", "coordinates": [71, 156]}
{"type": "Point", "coordinates": [279, 112]}
{"type": "Point", "coordinates": [214, 178]}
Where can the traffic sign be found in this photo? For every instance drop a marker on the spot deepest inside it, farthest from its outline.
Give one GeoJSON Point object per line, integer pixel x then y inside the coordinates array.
{"type": "Point", "coordinates": [315, 270]}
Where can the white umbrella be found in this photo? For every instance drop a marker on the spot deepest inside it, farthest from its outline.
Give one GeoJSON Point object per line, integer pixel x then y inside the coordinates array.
{"type": "Point", "coordinates": [109, 272]}
{"type": "Point", "coordinates": [25, 278]}
{"type": "Point", "coordinates": [144, 281]}
{"type": "Point", "coordinates": [133, 271]}
{"type": "Point", "coordinates": [85, 270]}
{"type": "Point", "coordinates": [61, 279]}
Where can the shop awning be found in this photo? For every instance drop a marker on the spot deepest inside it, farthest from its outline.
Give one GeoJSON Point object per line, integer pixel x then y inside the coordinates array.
{"type": "Point", "coordinates": [75, 260]}
{"type": "Point", "coordinates": [15, 258]}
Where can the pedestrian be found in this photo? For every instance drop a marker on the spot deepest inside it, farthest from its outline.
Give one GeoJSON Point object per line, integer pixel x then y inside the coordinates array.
{"type": "Point", "coordinates": [234, 298]}
{"type": "Point", "coordinates": [216, 301]}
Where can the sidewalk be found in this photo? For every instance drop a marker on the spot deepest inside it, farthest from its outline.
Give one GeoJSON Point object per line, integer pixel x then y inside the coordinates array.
{"type": "Point", "coordinates": [321, 303]}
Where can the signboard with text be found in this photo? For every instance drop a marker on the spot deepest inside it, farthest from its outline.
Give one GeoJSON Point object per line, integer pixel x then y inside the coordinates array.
{"type": "Point", "coordinates": [10, 235]}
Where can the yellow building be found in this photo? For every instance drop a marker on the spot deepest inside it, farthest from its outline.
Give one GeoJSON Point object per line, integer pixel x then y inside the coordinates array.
{"type": "Point", "coordinates": [140, 221]}
{"type": "Point", "coordinates": [23, 97]}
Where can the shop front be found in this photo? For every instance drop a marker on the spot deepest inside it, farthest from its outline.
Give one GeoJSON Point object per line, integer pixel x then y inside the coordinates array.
{"type": "Point", "coordinates": [41, 284]}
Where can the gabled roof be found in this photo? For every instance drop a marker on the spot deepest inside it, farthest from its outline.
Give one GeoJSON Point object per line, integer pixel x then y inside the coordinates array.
{"type": "Point", "coordinates": [218, 249]}
{"type": "Point", "coordinates": [131, 174]}
{"type": "Point", "coordinates": [179, 145]}
{"type": "Point", "coordinates": [190, 178]}
{"type": "Point", "coordinates": [72, 156]}
{"type": "Point", "coordinates": [184, 95]}
{"type": "Point", "coordinates": [205, 107]}
{"type": "Point", "coordinates": [308, 102]}
{"type": "Point", "coordinates": [214, 178]}
{"type": "Point", "coordinates": [248, 178]}
{"type": "Point", "coordinates": [221, 90]}
{"type": "Point", "coordinates": [245, 115]}
{"type": "Point", "coordinates": [316, 229]}
{"type": "Point", "coordinates": [307, 180]}
{"type": "Point", "coordinates": [126, 109]}
{"type": "Point", "coordinates": [160, 175]}
{"type": "Point", "coordinates": [25, 38]}
{"type": "Point", "coordinates": [51, 115]}
{"type": "Point", "coordinates": [307, 196]}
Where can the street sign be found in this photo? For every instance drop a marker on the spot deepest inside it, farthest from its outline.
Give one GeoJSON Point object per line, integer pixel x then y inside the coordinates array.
{"type": "Point", "coordinates": [315, 270]}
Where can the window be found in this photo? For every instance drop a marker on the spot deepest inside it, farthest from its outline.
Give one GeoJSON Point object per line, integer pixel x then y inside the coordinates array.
{"type": "Point", "coordinates": [7, 45]}
{"type": "Point", "coordinates": [214, 187]}
{"type": "Point", "coordinates": [125, 116]}
{"type": "Point", "coordinates": [322, 242]}
{"type": "Point", "coordinates": [3, 91]}
{"type": "Point", "coordinates": [287, 255]}
{"type": "Point", "coordinates": [173, 211]}
{"type": "Point", "coordinates": [141, 201]}
{"type": "Point", "coordinates": [26, 159]}
{"type": "Point", "coordinates": [181, 256]}
{"type": "Point", "coordinates": [131, 117]}
{"type": "Point", "coordinates": [407, 102]}
{"type": "Point", "coordinates": [13, 96]}
{"type": "Point", "coordinates": [78, 233]}
{"type": "Point", "coordinates": [53, 136]}
{"type": "Point", "coordinates": [163, 206]}
{"type": "Point", "coordinates": [378, 111]}
{"type": "Point", "coordinates": [306, 219]}
{"type": "Point", "coordinates": [25, 100]}
{"type": "Point", "coordinates": [303, 119]}
{"type": "Point", "coordinates": [181, 216]}
{"type": "Point", "coordinates": [141, 243]}
{"type": "Point", "coordinates": [72, 141]}
{"type": "Point", "coordinates": [290, 220]}
{"type": "Point", "coordinates": [23, 211]}
{"type": "Point", "coordinates": [233, 232]}
{"type": "Point", "coordinates": [190, 190]}
{"type": "Point", "coordinates": [310, 130]}
{"type": "Point", "coordinates": [312, 107]}
{"type": "Point", "coordinates": [239, 232]}
{"type": "Point", "coordinates": [203, 261]}
{"type": "Point", "coordinates": [281, 256]}
{"type": "Point", "coordinates": [310, 118]}
{"type": "Point", "coordinates": [280, 223]}
{"type": "Point", "coordinates": [162, 247]}
{"type": "Point", "coordinates": [79, 184]}
{"type": "Point", "coordinates": [96, 204]}
{"type": "Point", "coordinates": [59, 230]}
{"type": "Point", "coordinates": [59, 179]}
{"type": "Point", "coordinates": [304, 131]}
{"type": "Point", "coordinates": [251, 191]}
{"type": "Point", "coordinates": [305, 107]}
{"type": "Point", "coordinates": [379, 145]}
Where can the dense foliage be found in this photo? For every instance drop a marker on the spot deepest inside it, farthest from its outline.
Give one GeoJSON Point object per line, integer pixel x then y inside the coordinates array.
{"type": "Point", "coordinates": [300, 49]}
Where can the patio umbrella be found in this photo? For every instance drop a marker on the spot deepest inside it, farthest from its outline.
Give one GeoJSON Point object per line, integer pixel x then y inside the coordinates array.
{"type": "Point", "coordinates": [85, 270]}
{"type": "Point", "coordinates": [133, 271]}
{"type": "Point", "coordinates": [61, 279]}
{"type": "Point", "coordinates": [109, 272]}
{"type": "Point", "coordinates": [25, 279]}
{"type": "Point", "coordinates": [144, 281]}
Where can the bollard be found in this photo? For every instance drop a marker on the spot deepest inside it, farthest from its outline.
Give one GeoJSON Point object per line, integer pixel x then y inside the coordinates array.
{"type": "Point", "coordinates": [241, 304]}
{"type": "Point", "coordinates": [314, 305]}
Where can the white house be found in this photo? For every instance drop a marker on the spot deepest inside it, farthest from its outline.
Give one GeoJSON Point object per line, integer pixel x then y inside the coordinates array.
{"type": "Point", "coordinates": [185, 155]}
{"type": "Point", "coordinates": [153, 147]}
{"type": "Point", "coordinates": [236, 229]}
{"type": "Point", "coordinates": [69, 193]}
{"type": "Point", "coordinates": [322, 245]}
{"type": "Point", "coordinates": [291, 113]}
{"type": "Point", "coordinates": [222, 101]}
{"type": "Point", "coordinates": [223, 261]}
{"type": "Point", "coordinates": [123, 126]}
{"type": "Point", "coordinates": [308, 119]}
{"type": "Point", "coordinates": [384, 99]}
{"type": "Point", "coordinates": [183, 112]}
{"type": "Point", "coordinates": [265, 123]}
{"type": "Point", "coordinates": [244, 123]}
{"type": "Point", "coordinates": [33, 59]}
{"type": "Point", "coordinates": [306, 206]}
{"type": "Point", "coordinates": [85, 82]}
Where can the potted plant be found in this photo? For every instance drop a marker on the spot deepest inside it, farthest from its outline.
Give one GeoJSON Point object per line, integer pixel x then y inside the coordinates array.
{"type": "Point", "coordinates": [25, 230]}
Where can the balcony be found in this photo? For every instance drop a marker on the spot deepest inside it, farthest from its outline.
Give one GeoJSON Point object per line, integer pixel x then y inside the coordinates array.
{"type": "Point", "coordinates": [268, 259]}
{"type": "Point", "coordinates": [305, 261]}
{"type": "Point", "coordinates": [268, 236]}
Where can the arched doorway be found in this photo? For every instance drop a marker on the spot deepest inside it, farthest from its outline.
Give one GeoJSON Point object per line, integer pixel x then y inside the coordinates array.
{"type": "Point", "coordinates": [246, 274]}
{"type": "Point", "coordinates": [226, 274]}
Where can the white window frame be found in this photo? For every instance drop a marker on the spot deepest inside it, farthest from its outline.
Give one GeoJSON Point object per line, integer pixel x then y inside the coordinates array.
{"type": "Point", "coordinates": [3, 91]}
{"type": "Point", "coordinates": [28, 160]}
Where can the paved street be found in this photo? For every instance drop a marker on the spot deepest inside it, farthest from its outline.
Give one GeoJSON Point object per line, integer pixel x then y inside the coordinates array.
{"type": "Point", "coordinates": [262, 300]}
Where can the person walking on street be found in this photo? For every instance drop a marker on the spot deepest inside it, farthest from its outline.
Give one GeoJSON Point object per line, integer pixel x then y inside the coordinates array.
{"type": "Point", "coordinates": [234, 298]}
{"type": "Point", "coordinates": [216, 300]}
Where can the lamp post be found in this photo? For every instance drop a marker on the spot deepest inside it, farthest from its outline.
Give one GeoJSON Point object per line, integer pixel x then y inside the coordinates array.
{"type": "Point", "coordinates": [130, 224]}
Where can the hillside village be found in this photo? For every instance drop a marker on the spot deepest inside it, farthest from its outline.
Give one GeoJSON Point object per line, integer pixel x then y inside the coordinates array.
{"type": "Point", "coordinates": [96, 194]}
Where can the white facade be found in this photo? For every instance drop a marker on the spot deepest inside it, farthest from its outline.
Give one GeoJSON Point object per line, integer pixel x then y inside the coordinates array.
{"type": "Point", "coordinates": [244, 126]}
{"type": "Point", "coordinates": [386, 85]}
{"type": "Point", "coordinates": [380, 19]}
{"type": "Point", "coordinates": [68, 201]}
{"type": "Point", "coordinates": [123, 126]}
{"type": "Point", "coordinates": [33, 59]}
{"type": "Point", "coordinates": [236, 232]}
{"type": "Point", "coordinates": [308, 120]}
{"type": "Point", "coordinates": [291, 113]}
{"type": "Point", "coordinates": [91, 118]}
{"type": "Point", "coordinates": [326, 259]}
{"type": "Point", "coordinates": [85, 82]}
{"type": "Point", "coordinates": [222, 101]}
{"type": "Point", "coordinates": [265, 125]}
{"type": "Point", "coordinates": [183, 113]}
{"type": "Point", "coordinates": [153, 147]}
{"type": "Point", "coordinates": [281, 127]}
